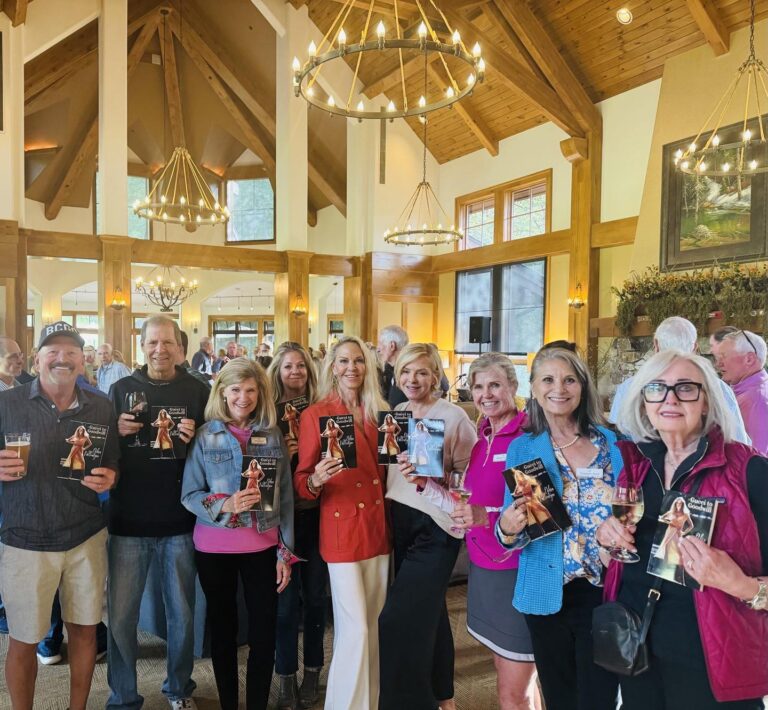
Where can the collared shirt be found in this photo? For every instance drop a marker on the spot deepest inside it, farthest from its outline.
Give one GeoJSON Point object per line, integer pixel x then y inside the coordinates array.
{"type": "Point", "coordinates": [41, 511]}
{"type": "Point", "coordinates": [107, 375]}
{"type": "Point", "coordinates": [752, 396]}
{"type": "Point", "coordinates": [4, 386]}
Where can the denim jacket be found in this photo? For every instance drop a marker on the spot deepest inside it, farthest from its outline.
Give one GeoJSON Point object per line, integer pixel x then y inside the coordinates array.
{"type": "Point", "coordinates": [212, 474]}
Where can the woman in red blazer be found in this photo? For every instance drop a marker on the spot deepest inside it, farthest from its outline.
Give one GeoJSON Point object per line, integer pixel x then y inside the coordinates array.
{"type": "Point", "coordinates": [354, 533]}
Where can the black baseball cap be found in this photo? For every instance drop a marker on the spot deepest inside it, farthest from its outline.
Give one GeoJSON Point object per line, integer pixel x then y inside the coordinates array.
{"type": "Point", "coordinates": [59, 328]}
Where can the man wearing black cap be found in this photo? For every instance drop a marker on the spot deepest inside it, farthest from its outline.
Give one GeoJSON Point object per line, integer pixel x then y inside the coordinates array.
{"type": "Point", "coordinates": [52, 534]}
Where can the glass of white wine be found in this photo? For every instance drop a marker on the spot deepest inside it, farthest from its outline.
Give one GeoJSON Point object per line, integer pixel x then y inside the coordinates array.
{"type": "Point", "coordinates": [627, 507]}
{"type": "Point", "coordinates": [457, 490]}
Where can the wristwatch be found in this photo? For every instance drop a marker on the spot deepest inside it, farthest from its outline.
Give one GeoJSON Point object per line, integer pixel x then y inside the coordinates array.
{"type": "Point", "coordinates": [760, 601]}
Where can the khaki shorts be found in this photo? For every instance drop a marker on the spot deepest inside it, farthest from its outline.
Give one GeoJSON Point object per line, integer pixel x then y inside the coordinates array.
{"type": "Point", "coordinates": [29, 580]}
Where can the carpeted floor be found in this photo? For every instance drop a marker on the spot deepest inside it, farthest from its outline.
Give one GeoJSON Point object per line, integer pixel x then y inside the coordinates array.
{"type": "Point", "coordinates": [475, 676]}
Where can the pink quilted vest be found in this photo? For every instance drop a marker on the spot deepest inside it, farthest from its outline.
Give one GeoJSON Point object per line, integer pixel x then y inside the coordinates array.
{"type": "Point", "coordinates": [734, 638]}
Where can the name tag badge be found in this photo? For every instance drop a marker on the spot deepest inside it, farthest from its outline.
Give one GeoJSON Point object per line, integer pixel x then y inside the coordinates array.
{"type": "Point", "coordinates": [589, 473]}
{"type": "Point", "coordinates": [499, 458]}
{"type": "Point", "coordinates": [258, 440]}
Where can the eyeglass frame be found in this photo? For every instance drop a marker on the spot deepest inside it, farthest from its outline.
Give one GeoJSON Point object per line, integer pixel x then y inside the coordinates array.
{"type": "Point", "coordinates": [749, 340]}
{"type": "Point", "coordinates": [672, 388]}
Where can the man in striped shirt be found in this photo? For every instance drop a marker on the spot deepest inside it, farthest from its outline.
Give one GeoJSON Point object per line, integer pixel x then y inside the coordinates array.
{"type": "Point", "coordinates": [110, 370]}
{"type": "Point", "coordinates": [11, 363]}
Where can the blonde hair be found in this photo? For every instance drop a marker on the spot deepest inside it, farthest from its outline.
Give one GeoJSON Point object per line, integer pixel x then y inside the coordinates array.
{"type": "Point", "coordinates": [273, 372]}
{"type": "Point", "coordinates": [488, 360]}
{"type": "Point", "coordinates": [633, 420]}
{"type": "Point", "coordinates": [370, 394]}
{"type": "Point", "coordinates": [233, 373]}
{"type": "Point", "coordinates": [413, 352]}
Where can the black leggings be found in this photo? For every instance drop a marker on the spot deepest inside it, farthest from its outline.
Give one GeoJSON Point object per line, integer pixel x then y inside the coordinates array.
{"type": "Point", "coordinates": [218, 577]}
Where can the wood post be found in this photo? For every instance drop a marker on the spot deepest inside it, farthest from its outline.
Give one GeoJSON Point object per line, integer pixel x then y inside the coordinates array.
{"type": "Point", "coordinates": [292, 299]}
{"type": "Point", "coordinates": [114, 271]}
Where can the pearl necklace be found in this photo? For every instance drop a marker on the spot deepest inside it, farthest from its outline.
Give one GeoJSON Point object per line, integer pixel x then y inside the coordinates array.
{"type": "Point", "coordinates": [564, 446]}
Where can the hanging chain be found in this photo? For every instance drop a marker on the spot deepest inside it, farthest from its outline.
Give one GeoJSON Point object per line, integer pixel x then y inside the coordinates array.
{"type": "Point", "coordinates": [424, 118]}
{"type": "Point", "coordinates": [752, 29]}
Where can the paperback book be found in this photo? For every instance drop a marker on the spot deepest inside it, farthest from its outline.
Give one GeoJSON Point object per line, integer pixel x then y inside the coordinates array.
{"type": "Point", "coordinates": [288, 415]}
{"type": "Point", "coordinates": [532, 487]}
{"type": "Point", "coordinates": [82, 450]}
{"type": "Point", "coordinates": [393, 435]}
{"type": "Point", "coordinates": [165, 440]}
{"type": "Point", "coordinates": [338, 436]}
{"type": "Point", "coordinates": [260, 474]}
{"type": "Point", "coordinates": [681, 515]}
{"type": "Point", "coordinates": [425, 446]}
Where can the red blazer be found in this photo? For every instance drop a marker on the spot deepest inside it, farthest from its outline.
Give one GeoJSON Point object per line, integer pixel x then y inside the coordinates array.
{"type": "Point", "coordinates": [353, 520]}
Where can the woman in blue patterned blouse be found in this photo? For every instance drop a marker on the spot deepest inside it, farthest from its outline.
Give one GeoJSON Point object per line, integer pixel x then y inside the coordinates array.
{"type": "Point", "coordinates": [560, 577]}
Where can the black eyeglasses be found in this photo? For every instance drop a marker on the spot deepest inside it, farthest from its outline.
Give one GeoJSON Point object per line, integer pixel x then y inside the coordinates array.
{"type": "Point", "coordinates": [749, 340]}
{"type": "Point", "coordinates": [656, 392]}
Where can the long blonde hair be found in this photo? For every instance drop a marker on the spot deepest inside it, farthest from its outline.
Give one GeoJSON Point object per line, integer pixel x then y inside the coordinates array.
{"type": "Point", "coordinates": [273, 372]}
{"type": "Point", "coordinates": [370, 393]}
{"type": "Point", "coordinates": [233, 373]}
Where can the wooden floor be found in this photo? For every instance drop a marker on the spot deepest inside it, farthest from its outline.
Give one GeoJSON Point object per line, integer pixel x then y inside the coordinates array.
{"type": "Point", "coordinates": [475, 676]}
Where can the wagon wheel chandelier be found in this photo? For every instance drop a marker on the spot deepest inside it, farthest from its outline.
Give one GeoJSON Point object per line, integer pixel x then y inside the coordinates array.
{"type": "Point", "coordinates": [164, 289]}
{"type": "Point", "coordinates": [334, 46]}
{"type": "Point", "coordinates": [714, 153]}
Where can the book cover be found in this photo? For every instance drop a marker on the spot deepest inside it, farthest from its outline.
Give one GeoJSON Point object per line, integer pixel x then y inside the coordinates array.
{"type": "Point", "coordinates": [681, 515]}
{"type": "Point", "coordinates": [82, 449]}
{"type": "Point", "coordinates": [288, 415]}
{"type": "Point", "coordinates": [529, 482]}
{"type": "Point", "coordinates": [260, 473]}
{"type": "Point", "coordinates": [338, 436]}
{"type": "Point", "coordinates": [393, 435]}
{"type": "Point", "coordinates": [425, 446]}
{"type": "Point", "coordinates": [165, 441]}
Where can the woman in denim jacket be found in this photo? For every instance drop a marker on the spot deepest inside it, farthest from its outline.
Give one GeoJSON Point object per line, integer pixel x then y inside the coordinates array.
{"type": "Point", "coordinates": [236, 534]}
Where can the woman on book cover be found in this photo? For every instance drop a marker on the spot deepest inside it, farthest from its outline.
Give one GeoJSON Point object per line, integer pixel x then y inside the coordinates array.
{"type": "Point", "coordinates": [530, 490]}
{"type": "Point", "coordinates": [291, 415]}
{"type": "Point", "coordinates": [255, 475]}
{"type": "Point", "coordinates": [80, 442]}
{"type": "Point", "coordinates": [708, 648]}
{"type": "Point", "coordinates": [304, 601]}
{"type": "Point", "coordinates": [163, 440]}
{"type": "Point", "coordinates": [333, 432]}
{"type": "Point", "coordinates": [420, 455]}
{"type": "Point", "coordinates": [391, 429]}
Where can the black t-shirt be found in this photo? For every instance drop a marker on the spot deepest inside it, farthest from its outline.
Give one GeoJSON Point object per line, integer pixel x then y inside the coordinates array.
{"type": "Point", "coordinates": [674, 632]}
{"type": "Point", "coordinates": [147, 499]}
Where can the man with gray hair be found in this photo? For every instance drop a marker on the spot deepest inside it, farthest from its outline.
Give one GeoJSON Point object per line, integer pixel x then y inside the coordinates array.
{"type": "Point", "coordinates": [740, 357]}
{"type": "Point", "coordinates": [203, 359]}
{"type": "Point", "coordinates": [11, 363]}
{"type": "Point", "coordinates": [110, 371]}
{"type": "Point", "coordinates": [677, 333]}
{"type": "Point", "coordinates": [392, 339]}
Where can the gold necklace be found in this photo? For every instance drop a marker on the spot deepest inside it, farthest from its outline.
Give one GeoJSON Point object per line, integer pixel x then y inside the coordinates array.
{"type": "Point", "coordinates": [564, 446]}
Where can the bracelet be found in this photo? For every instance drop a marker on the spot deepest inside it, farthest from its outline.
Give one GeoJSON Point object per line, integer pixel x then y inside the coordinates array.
{"type": "Point", "coordinates": [760, 601]}
{"type": "Point", "coordinates": [311, 486]}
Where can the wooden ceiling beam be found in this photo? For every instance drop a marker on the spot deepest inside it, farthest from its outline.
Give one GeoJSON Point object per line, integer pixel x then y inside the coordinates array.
{"type": "Point", "coordinates": [16, 11]}
{"type": "Point", "coordinates": [172, 91]}
{"type": "Point", "coordinates": [391, 78]}
{"type": "Point", "coordinates": [493, 14]}
{"type": "Point", "coordinates": [517, 77]}
{"type": "Point", "coordinates": [539, 44]}
{"type": "Point", "coordinates": [323, 181]}
{"type": "Point", "coordinates": [710, 23]}
{"type": "Point", "coordinates": [311, 214]}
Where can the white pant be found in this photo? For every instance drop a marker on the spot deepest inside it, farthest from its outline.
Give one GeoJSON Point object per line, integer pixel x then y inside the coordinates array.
{"type": "Point", "coordinates": [358, 592]}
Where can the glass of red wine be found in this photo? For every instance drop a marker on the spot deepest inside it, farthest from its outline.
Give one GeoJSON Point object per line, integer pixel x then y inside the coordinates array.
{"type": "Point", "coordinates": [627, 507]}
{"type": "Point", "coordinates": [136, 403]}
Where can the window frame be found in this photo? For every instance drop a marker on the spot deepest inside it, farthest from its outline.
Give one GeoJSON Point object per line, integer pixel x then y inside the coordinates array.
{"type": "Point", "coordinates": [261, 331]}
{"type": "Point", "coordinates": [499, 194]}
{"type": "Point", "coordinates": [132, 172]}
{"type": "Point", "coordinates": [224, 199]}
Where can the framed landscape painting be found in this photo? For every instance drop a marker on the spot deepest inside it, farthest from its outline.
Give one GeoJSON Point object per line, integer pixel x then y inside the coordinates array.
{"type": "Point", "coordinates": [707, 219]}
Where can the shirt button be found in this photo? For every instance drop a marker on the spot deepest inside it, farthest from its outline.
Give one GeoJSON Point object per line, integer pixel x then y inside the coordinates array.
{"type": "Point", "coordinates": [336, 514]}
{"type": "Point", "coordinates": [359, 485]}
{"type": "Point", "coordinates": [378, 502]}
{"type": "Point", "coordinates": [375, 481]}
{"type": "Point", "coordinates": [361, 505]}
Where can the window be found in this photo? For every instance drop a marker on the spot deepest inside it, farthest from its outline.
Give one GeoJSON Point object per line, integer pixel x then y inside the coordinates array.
{"type": "Point", "coordinates": [249, 332]}
{"type": "Point", "coordinates": [87, 324]}
{"type": "Point", "coordinates": [251, 206]}
{"type": "Point", "coordinates": [138, 189]}
{"type": "Point", "coordinates": [513, 210]}
{"type": "Point", "coordinates": [335, 327]}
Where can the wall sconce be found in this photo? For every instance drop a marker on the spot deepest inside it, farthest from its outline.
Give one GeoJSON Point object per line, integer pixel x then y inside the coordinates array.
{"type": "Point", "coordinates": [194, 326]}
{"type": "Point", "coordinates": [118, 301]}
{"type": "Point", "coordinates": [577, 302]}
{"type": "Point", "coordinates": [299, 309]}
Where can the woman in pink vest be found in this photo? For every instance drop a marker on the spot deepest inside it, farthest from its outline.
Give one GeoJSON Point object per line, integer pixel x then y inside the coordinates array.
{"type": "Point", "coordinates": [708, 648]}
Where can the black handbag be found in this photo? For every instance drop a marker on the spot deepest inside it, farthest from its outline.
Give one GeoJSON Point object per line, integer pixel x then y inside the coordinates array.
{"type": "Point", "coordinates": [618, 635]}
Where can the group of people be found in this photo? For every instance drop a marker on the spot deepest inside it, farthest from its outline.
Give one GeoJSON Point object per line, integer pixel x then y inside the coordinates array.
{"type": "Point", "coordinates": [386, 537]}
{"type": "Point", "coordinates": [208, 363]}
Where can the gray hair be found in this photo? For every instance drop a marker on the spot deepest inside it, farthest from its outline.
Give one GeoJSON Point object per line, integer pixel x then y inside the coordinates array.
{"type": "Point", "coordinates": [676, 333]}
{"type": "Point", "coordinates": [745, 342]}
{"type": "Point", "coordinates": [5, 341]}
{"type": "Point", "coordinates": [632, 418]}
{"type": "Point", "coordinates": [488, 360]}
{"type": "Point", "coordinates": [394, 334]}
{"type": "Point", "coordinates": [160, 321]}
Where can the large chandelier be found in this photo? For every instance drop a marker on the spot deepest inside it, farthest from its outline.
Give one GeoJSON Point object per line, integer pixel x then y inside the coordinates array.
{"type": "Point", "coordinates": [452, 53]}
{"type": "Point", "coordinates": [742, 151]}
{"type": "Point", "coordinates": [164, 289]}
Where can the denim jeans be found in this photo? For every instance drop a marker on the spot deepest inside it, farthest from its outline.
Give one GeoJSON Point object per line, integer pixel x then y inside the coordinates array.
{"type": "Point", "coordinates": [129, 561]}
{"type": "Point", "coordinates": [306, 589]}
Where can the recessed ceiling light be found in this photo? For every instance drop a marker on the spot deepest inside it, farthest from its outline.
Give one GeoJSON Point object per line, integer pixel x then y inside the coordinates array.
{"type": "Point", "coordinates": [624, 15]}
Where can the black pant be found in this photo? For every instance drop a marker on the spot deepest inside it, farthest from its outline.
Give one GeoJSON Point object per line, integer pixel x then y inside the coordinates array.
{"type": "Point", "coordinates": [667, 685]}
{"type": "Point", "coordinates": [562, 648]}
{"type": "Point", "coordinates": [307, 590]}
{"type": "Point", "coordinates": [218, 578]}
{"type": "Point", "coordinates": [415, 639]}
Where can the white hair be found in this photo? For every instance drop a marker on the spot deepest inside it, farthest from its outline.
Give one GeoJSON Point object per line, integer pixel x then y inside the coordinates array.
{"type": "Point", "coordinates": [394, 334]}
{"type": "Point", "coordinates": [676, 333]}
{"type": "Point", "coordinates": [741, 340]}
{"type": "Point", "coordinates": [633, 420]}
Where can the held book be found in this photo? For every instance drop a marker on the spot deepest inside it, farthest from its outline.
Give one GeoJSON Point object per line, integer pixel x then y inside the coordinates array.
{"type": "Point", "coordinates": [531, 486]}
{"type": "Point", "coordinates": [393, 434]}
{"type": "Point", "coordinates": [165, 440]}
{"type": "Point", "coordinates": [260, 473]}
{"type": "Point", "coordinates": [82, 450]}
{"type": "Point", "coordinates": [288, 415]}
{"type": "Point", "coordinates": [425, 446]}
{"type": "Point", "coordinates": [681, 515]}
{"type": "Point", "coordinates": [337, 436]}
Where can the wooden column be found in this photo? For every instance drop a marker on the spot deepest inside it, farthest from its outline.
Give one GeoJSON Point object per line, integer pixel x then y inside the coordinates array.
{"type": "Point", "coordinates": [585, 156]}
{"type": "Point", "coordinates": [114, 271]}
{"type": "Point", "coordinates": [292, 296]}
{"type": "Point", "coordinates": [13, 274]}
{"type": "Point", "coordinates": [357, 301]}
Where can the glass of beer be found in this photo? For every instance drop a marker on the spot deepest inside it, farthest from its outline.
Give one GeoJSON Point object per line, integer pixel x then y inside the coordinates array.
{"type": "Point", "coordinates": [19, 443]}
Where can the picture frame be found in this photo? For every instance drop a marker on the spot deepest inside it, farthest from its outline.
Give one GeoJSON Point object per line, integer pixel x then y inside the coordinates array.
{"type": "Point", "coordinates": [711, 219]}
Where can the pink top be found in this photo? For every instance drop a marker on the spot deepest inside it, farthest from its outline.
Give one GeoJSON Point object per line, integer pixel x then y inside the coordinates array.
{"type": "Point", "coordinates": [752, 396]}
{"type": "Point", "coordinates": [233, 541]}
{"type": "Point", "coordinates": [484, 479]}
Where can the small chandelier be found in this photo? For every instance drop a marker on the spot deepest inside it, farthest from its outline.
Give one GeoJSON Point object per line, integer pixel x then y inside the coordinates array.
{"type": "Point", "coordinates": [423, 217]}
{"type": "Point", "coordinates": [745, 152]}
{"type": "Point", "coordinates": [427, 41]}
{"type": "Point", "coordinates": [164, 290]}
